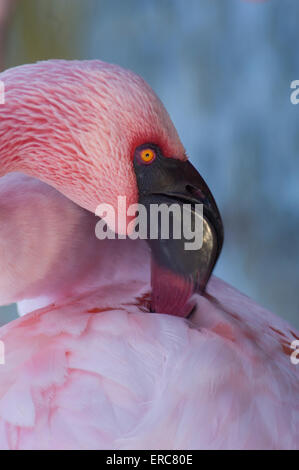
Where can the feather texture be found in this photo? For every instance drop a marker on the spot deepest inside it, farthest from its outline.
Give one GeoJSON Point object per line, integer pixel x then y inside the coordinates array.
{"type": "Point", "coordinates": [101, 372]}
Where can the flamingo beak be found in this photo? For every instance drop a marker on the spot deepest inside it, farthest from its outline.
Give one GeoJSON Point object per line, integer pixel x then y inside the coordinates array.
{"type": "Point", "coordinates": [179, 272]}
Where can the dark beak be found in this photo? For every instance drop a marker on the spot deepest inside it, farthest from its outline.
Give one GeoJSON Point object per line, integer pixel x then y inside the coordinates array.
{"type": "Point", "coordinates": [178, 273]}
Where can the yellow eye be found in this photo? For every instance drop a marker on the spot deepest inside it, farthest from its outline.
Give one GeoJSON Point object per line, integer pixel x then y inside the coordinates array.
{"type": "Point", "coordinates": [147, 155]}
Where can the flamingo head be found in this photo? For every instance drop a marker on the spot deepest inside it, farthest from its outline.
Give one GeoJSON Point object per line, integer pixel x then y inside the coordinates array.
{"type": "Point", "coordinates": [96, 131]}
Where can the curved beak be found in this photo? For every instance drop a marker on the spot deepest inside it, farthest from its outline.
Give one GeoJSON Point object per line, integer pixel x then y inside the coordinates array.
{"type": "Point", "coordinates": [180, 267]}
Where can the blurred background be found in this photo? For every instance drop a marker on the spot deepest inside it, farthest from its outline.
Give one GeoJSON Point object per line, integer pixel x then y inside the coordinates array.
{"type": "Point", "coordinates": [223, 69]}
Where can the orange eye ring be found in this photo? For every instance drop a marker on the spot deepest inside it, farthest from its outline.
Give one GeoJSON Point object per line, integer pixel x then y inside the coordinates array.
{"type": "Point", "coordinates": [147, 155]}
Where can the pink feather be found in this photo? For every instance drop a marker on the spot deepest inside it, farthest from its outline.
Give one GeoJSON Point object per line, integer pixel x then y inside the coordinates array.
{"type": "Point", "coordinates": [94, 369]}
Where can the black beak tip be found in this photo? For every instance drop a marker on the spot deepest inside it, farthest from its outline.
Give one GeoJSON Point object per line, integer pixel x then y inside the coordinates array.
{"type": "Point", "coordinates": [177, 273]}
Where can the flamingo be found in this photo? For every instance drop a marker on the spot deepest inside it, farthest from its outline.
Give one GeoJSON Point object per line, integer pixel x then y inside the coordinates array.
{"type": "Point", "coordinates": [107, 357]}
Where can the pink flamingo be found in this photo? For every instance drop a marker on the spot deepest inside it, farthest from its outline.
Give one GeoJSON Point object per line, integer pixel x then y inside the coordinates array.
{"type": "Point", "coordinates": [96, 369]}
{"type": "Point", "coordinates": [49, 236]}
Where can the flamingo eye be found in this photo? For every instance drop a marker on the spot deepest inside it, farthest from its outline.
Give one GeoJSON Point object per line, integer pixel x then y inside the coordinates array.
{"type": "Point", "coordinates": [147, 155]}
